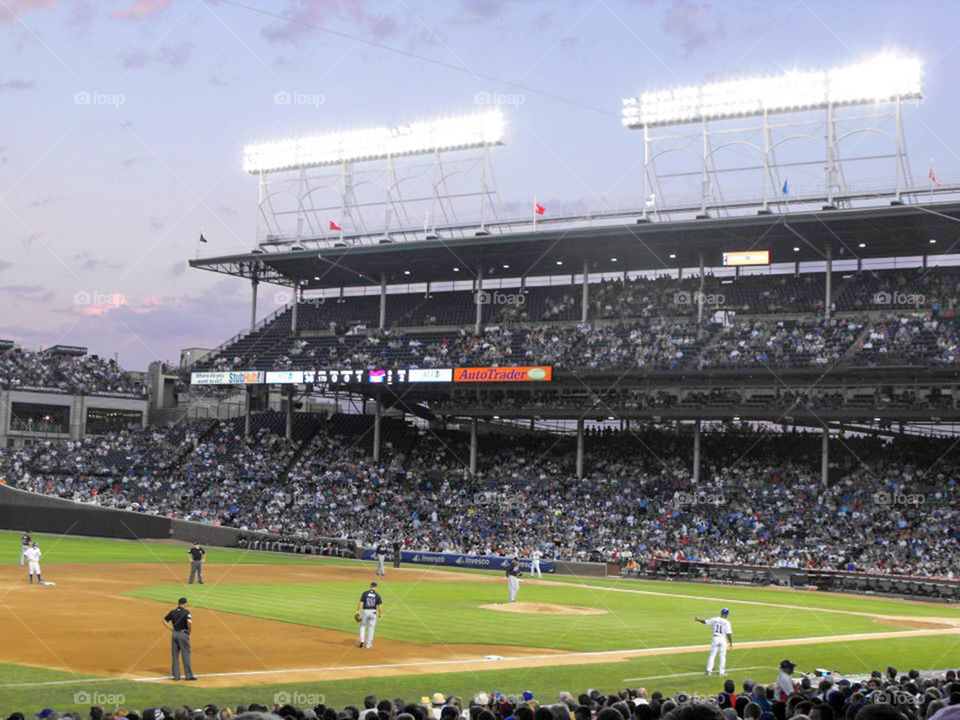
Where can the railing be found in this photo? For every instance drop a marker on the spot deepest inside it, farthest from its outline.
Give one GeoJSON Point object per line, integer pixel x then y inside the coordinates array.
{"type": "Point", "coordinates": [615, 212]}
{"type": "Point", "coordinates": [243, 333]}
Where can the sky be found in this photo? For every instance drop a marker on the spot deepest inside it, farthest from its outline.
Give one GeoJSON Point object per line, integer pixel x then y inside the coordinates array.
{"type": "Point", "coordinates": [122, 123]}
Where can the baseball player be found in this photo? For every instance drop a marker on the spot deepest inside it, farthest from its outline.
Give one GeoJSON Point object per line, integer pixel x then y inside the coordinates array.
{"type": "Point", "coordinates": [370, 609]}
{"type": "Point", "coordinates": [721, 637]}
{"type": "Point", "coordinates": [535, 563]}
{"type": "Point", "coordinates": [24, 544]}
{"type": "Point", "coordinates": [380, 553]}
{"type": "Point", "coordinates": [33, 562]}
{"type": "Point", "coordinates": [512, 569]}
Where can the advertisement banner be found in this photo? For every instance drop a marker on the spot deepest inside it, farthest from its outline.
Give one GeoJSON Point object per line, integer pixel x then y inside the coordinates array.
{"type": "Point", "coordinates": [231, 377]}
{"type": "Point", "coordinates": [430, 375]}
{"type": "Point", "coordinates": [539, 373]}
{"type": "Point", "coordinates": [284, 377]}
{"type": "Point", "coordinates": [481, 562]}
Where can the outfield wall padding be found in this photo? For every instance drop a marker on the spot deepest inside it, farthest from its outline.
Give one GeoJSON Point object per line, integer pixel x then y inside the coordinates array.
{"type": "Point", "coordinates": [21, 510]}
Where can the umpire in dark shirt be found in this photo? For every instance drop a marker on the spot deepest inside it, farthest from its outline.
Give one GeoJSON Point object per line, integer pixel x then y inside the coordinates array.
{"type": "Point", "coordinates": [196, 554]}
{"type": "Point", "coordinates": [180, 623]}
{"type": "Point", "coordinates": [396, 552]}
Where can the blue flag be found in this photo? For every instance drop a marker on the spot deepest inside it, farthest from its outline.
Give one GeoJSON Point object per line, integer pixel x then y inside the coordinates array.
{"type": "Point", "coordinates": [786, 187]}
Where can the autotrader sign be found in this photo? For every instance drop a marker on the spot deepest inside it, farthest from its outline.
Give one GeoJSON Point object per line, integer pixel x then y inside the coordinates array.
{"type": "Point", "coordinates": [484, 562]}
{"type": "Point", "coordinates": [539, 373]}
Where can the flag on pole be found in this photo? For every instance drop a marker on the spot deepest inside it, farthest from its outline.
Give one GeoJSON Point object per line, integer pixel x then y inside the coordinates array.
{"type": "Point", "coordinates": [334, 226]}
{"type": "Point", "coordinates": [203, 239]}
{"type": "Point", "coordinates": [786, 187]}
{"type": "Point", "coordinates": [933, 176]}
{"type": "Point", "coordinates": [651, 201]}
{"type": "Point", "coordinates": [538, 208]}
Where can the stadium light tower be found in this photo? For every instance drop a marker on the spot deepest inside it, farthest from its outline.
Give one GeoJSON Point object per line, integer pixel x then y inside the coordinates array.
{"type": "Point", "coordinates": [369, 157]}
{"type": "Point", "coordinates": [884, 82]}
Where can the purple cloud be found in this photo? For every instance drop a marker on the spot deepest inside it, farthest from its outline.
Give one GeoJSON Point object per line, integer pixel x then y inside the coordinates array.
{"type": "Point", "coordinates": [142, 10]}
{"type": "Point", "coordinates": [16, 85]}
{"type": "Point", "coordinates": [695, 24]}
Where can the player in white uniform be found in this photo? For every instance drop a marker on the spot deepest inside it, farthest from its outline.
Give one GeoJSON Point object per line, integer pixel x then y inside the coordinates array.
{"type": "Point", "coordinates": [370, 608]}
{"type": "Point", "coordinates": [33, 554]}
{"type": "Point", "coordinates": [721, 637]}
{"type": "Point", "coordinates": [535, 563]}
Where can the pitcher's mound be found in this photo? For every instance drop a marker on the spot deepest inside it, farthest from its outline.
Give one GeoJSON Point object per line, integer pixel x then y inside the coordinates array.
{"type": "Point", "coordinates": [543, 608]}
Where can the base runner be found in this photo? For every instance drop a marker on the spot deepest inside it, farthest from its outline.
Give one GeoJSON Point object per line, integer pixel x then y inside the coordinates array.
{"type": "Point", "coordinates": [370, 609]}
{"type": "Point", "coordinates": [33, 554]}
{"type": "Point", "coordinates": [721, 637]}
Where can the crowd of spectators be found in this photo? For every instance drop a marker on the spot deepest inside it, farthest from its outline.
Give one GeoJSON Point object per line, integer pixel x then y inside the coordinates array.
{"type": "Point", "coordinates": [886, 509]}
{"type": "Point", "coordinates": [914, 695]}
{"type": "Point", "coordinates": [85, 374]}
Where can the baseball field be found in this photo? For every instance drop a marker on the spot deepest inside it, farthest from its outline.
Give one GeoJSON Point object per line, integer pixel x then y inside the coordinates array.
{"type": "Point", "coordinates": [270, 626]}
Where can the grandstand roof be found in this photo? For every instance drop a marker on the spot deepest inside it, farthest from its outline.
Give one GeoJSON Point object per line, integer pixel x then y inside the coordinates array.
{"type": "Point", "coordinates": [888, 231]}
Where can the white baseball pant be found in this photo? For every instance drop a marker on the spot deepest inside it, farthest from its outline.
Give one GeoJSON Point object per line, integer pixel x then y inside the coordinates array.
{"type": "Point", "coordinates": [535, 568]}
{"type": "Point", "coordinates": [23, 553]}
{"type": "Point", "coordinates": [368, 619]}
{"type": "Point", "coordinates": [513, 587]}
{"type": "Point", "coordinates": [381, 570]}
{"type": "Point", "coordinates": [718, 646]}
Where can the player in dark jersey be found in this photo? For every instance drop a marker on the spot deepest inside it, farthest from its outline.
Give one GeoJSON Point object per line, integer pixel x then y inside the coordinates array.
{"type": "Point", "coordinates": [370, 608]}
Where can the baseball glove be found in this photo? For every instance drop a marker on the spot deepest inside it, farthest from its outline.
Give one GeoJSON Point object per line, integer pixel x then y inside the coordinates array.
{"type": "Point", "coordinates": [356, 616]}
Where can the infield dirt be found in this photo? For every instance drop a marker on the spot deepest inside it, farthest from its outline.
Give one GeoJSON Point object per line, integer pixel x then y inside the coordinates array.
{"type": "Point", "coordinates": [87, 625]}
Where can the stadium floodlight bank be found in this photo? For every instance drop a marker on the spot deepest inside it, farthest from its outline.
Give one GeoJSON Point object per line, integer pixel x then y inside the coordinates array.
{"type": "Point", "coordinates": [342, 186]}
{"type": "Point", "coordinates": [456, 133]}
{"type": "Point", "coordinates": [883, 78]}
{"type": "Point", "coordinates": [718, 116]}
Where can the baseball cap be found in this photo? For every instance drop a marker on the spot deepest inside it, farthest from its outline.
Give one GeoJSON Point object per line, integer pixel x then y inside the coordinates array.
{"type": "Point", "coordinates": [784, 664]}
{"type": "Point", "coordinates": [725, 611]}
{"type": "Point", "coordinates": [481, 698]}
{"type": "Point", "coordinates": [438, 699]}
{"type": "Point", "coordinates": [45, 713]}
{"type": "Point", "coordinates": [182, 601]}
{"type": "Point", "coordinates": [425, 700]}
{"type": "Point", "coordinates": [527, 695]}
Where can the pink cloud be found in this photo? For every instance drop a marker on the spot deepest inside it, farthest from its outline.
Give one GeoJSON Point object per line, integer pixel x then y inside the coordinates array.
{"type": "Point", "coordinates": [142, 9]}
{"type": "Point", "coordinates": [11, 10]}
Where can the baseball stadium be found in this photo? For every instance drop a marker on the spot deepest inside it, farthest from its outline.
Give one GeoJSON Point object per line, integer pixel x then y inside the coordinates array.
{"type": "Point", "coordinates": [439, 447]}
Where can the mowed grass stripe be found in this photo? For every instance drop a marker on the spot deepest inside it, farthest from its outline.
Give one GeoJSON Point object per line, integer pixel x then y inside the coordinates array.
{"type": "Point", "coordinates": [449, 612]}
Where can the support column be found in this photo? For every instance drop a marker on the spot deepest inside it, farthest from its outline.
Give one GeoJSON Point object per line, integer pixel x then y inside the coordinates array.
{"type": "Point", "coordinates": [476, 301]}
{"type": "Point", "coordinates": [696, 452]}
{"type": "Point", "coordinates": [700, 299]}
{"type": "Point", "coordinates": [290, 412]}
{"type": "Point", "coordinates": [586, 292]}
{"type": "Point", "coordinates": [246, 419]}
{"type": "Point", "coordinates": [376, 430]}
{"type": "Point", "coordinates": [293, 312]}
{"type": "Point", "coordinates": [383, 301]}
{"type": "Point", "coordinates": [473, 447]}
{"type": "Point", "coordinates": [825, 458]}
{"type": "Point", "coordinates": [829, 282]}
{"type": "Point", "coordinates": [253, 302]}
{"type": "Point", "coordinates": [580, 448]}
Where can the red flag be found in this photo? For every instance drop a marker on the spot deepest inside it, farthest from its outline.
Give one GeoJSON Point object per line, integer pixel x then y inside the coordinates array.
{"type": "Point", "coordinates": [539, 209]}
{"type": "Point", "coordinates": [334, 226]}
{"type": "Point", "coordinates": [933, 177]}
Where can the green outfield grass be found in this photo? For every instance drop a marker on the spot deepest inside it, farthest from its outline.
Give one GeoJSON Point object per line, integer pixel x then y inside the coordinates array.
{"type": "Point", "coordinates": [448, 612]}
{"type": "Point", "coordinates": [432, 612]}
